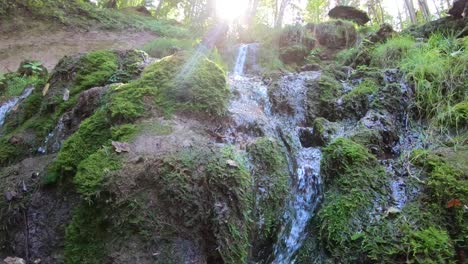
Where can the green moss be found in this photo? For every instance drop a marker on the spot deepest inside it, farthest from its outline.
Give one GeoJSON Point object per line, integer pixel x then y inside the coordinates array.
{"type": "Point", "coordinates": [356, 103]}
{"type": "Point", "coordinates": [431, 245]}
{"type": "Point", "coordinates": [124, 132]}
{"type": "Point", "coordinates": [14, 84]}
{"type": "Point", "coordinates": [322, 96]}
{"type": "Point", "coordinates": [91, 171]}
{"type": "Point", "coordinates": [445, 181]}
{"type": "Point", "coordinates": [356, 183]}
{"type": "Point", "coordinates": [92, 134]}
{"type": "Point", "coordinates": [84, 236]}
{"type": "Point", "coordinates": [168, 85]}
{"type": "Point", "coordinates": [365, 88]}
{"type": "Point", "coordinates": [162, 47]}
{"type": "Point", "coordinates": [271, 176]}
{"type": "Point", "coordinates": [96, 68]}
{"type": "Point", "coordinates": [342, 154]}
{"type": "Point", "coordinates": [179, 182]}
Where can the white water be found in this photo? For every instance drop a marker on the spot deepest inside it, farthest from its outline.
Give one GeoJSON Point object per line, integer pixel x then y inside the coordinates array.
{"type": "Point", "coordinates": [240, 61]}
{"type": "Point", "coordinates": [6, 107]}
{"type": "Point", "coordinates": [253, 117]}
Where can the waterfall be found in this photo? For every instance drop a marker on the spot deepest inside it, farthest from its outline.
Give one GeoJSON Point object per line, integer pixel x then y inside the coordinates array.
{"type": "Point", "coordinates": [240, 61]}
{"type": "Point", "coordinates": [6, 107]}
{"type": "Point", "coordinates": [251, 109]}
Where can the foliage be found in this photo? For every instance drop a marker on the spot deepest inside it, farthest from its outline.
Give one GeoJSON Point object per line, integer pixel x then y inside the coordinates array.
{"type": "Point", "coordinates": [438, 71]}
{"type": "Point", "coordinates": [79, 13]}
{"type": "Point", "coordinates": [162, 47]}
{"type": "Point", "coordinates": [13, 84]}
{"type": "Point", "coordinates": [389, 54]}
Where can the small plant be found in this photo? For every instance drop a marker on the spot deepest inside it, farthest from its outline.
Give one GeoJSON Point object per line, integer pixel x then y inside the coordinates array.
{"type": "Point", "coordinates": [34, 66]}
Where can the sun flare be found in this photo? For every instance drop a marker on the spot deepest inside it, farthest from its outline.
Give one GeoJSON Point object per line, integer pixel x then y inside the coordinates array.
{"type": "Point", "coordinates": [231, 10]}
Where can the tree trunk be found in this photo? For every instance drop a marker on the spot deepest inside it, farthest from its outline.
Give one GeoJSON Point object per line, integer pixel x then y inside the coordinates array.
{"type": "Point", "coordinates": [411, 11]}
{"type": "Point", "coordinates": [400, 17]}
{"type": "Point", "coordinates": [252, 12]}
{"type": "Point", "coordinates": [158, 8]}
{"type": "Point", "coordinates": [425, 10]}
{"type": "Point", "coordinates": [437, 8]}
{"type": "Point", "coordinates": [111, 4]}
{"type": "Point", "coordinates": [282, 9]}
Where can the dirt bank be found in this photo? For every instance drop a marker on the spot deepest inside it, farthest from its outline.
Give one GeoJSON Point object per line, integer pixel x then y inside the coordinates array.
{"type": "Point", "coordinates": [47, 43]}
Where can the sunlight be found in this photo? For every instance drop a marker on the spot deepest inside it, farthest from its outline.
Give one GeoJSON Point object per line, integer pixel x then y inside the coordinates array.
{"type": "Point", "coordinates": [230, 10]}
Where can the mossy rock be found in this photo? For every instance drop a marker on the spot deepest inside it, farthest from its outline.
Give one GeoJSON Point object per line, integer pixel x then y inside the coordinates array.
{"type": "Point", "coordinates": [202, 194]}
{"type": "Point", "coordinates": [270, 177]}
{"type": "Point", "coordinates": [334, 34]}
{"type": "Point", "coordinates": [162, 89]}
{"type": "Point", "coordinates": [322, 96]}
{"type": "Point", "coordinates": [355, 184]}
{"type": "Point", "coordinates": [356, 103]}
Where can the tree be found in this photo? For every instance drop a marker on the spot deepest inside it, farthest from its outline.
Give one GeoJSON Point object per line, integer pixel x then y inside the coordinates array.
{"type": "Point", "coordinates": [280, 14]}
{"type": "Point", "coordinates": [411, 11]}
{"type": "Point", "coordinates": [423, 6]}
{"type": "Point", "coordinates": [316, 10]}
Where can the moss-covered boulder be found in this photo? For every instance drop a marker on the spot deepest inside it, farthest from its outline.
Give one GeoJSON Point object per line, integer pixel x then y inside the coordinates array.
{"type": "Point", "coordinates": [335, 34]}
{"type": "Point", "coordinates": [322, 96]}
{"type": "Point", "coordinates": [271, 177]}
{"type": "Point", "coordinates": [163, 88]}
{"type": "Point", "coordinates": [356, 103]}
{"type": "Point", "coordinates": [203, 194]}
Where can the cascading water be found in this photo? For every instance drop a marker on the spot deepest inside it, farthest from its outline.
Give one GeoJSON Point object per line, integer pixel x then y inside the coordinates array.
{"type": "Point", "coordinates": [251, 112]}
{"type": "Point", "coordinates": [10, 104]}
{"type": "Point", "coordinates": [240, 61]}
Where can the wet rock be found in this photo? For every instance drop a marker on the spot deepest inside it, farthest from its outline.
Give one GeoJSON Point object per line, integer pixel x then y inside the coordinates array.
{"type": "Point", "coordinates": [459, 9]}
{"type": "Point", "coordinates": [378, 132]}
{"type": "Point", "coordinates": [306, 136]}
{"type": "Point", "coordinates": [10, 195]}
{"type": "Point", "coordinates": [14, 260]}
{"type": "Point", "coordinates": [322, 96]}
{"type": "Point", "coordinates": [323, 131]}
{"type": "Point", "coordinates": [121, 146]}
{"type": "Point", "coordinates": [349, 13]}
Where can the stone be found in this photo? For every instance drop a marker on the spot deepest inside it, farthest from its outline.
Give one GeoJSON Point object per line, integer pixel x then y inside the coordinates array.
{"type": "Point", "coordinates": [349, 13]}
{"type": "Point", "coordinates": [385, 31]}
{"type": "Point", "coordinates": [10, 195]}
{"type": "Point", "coordinates": [121, 146]}
{"type": "Point", "coordinates": [14, 260]}
{"type": "Point", "coordinates": [459, 8]}
{"type": "Point", "coordinates": [232, 163]}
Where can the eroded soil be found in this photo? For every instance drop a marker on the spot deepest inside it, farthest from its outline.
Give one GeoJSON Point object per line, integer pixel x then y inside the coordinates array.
{"type": "Point", "coordinates": [49, 43]}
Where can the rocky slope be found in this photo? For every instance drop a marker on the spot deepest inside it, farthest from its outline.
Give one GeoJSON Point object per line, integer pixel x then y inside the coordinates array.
{"type": "Point", "coordinates": [119, 158]}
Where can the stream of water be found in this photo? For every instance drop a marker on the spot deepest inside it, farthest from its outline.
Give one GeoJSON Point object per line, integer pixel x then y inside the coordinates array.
{"type": "Point", "coordinates": [7, 106]}
{"type": "Point", "coordinates": [252, 113]}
